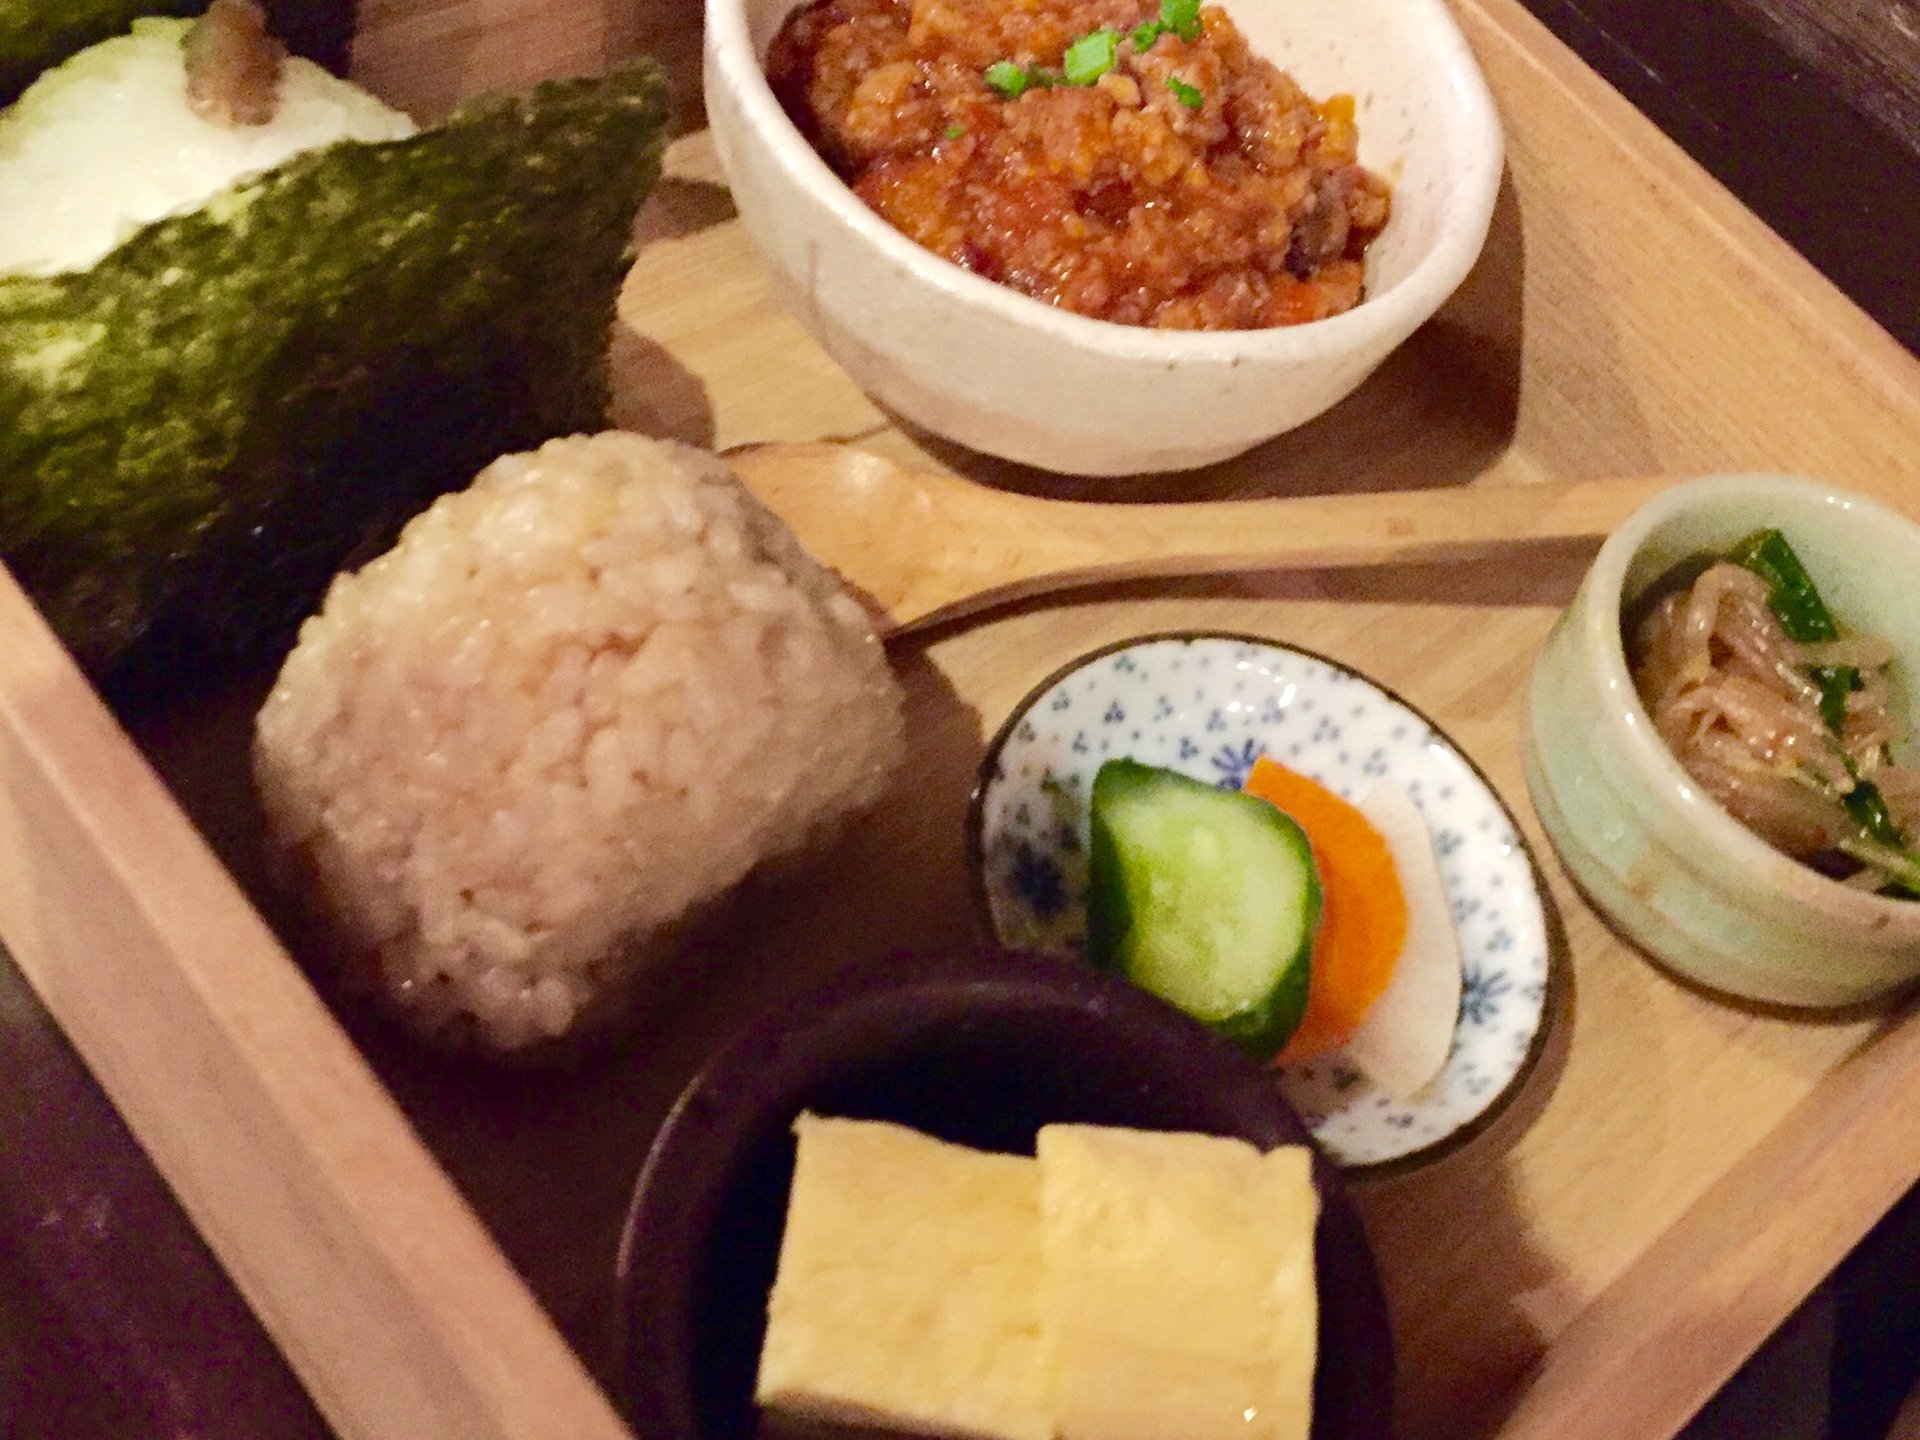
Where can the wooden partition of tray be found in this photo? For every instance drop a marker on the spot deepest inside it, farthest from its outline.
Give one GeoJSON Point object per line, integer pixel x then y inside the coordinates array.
{"type": "Point", "coordinates": [1677, 1174]}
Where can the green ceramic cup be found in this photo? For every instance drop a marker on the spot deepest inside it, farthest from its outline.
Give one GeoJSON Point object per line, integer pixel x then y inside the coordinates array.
{"type": "Point", "coordinates": [1669, 868]}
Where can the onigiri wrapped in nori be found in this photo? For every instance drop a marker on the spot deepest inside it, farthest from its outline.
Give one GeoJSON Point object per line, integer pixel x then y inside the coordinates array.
{"type": "Point", "coordinates": [574, 705]}
{"type": "Point", "coordinates": [315, 337]}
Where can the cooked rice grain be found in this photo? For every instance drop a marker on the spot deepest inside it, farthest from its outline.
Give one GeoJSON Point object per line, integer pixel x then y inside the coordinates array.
{"type": "Point", "coordinates": [573, 705]}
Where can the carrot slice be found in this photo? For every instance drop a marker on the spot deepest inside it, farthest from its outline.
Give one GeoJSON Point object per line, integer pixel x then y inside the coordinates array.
{"type": "Point", "coordinates": [1363, 919]}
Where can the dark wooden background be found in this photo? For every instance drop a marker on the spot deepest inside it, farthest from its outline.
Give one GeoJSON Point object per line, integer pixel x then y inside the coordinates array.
{"type": "Point", "coordinates": [116, 1322]}
{"type": "Point", "coordinates": [1808, 110]}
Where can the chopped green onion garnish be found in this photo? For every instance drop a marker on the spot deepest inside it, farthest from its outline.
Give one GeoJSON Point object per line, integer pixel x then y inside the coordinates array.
{"type": "Point", "coordinates": [1013, 80]}
{"type": "Point", "coordinates": [1091, 56]}
{"type": "Point", "coordinates": [1182, 17]}
{"type": "Point", "coordinates": [1177, 17]}
{"type": "Point", "coordinates": [1009, 79]}
{"type": "Point", "coordinates": [1097, 52]}
{"type": "Point", "coordinates": [953, 132]}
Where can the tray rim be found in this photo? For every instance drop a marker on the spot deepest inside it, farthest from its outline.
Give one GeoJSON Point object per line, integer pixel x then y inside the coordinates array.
{"type": "Point", "coordinates": [1821, 305]}
{"type": "Point", "coordinates": [112, 904]}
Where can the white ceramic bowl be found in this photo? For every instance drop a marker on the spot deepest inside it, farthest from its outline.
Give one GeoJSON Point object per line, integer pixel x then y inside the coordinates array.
{"type": "Point", "coordinates": [998, 371]}
{"type": "Point", "coordinates": [1678, 875]}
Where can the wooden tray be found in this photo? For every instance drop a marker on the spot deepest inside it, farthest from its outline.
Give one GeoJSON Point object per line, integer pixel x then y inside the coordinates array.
{"type": "Point", "coordinates": [1678, 1174]}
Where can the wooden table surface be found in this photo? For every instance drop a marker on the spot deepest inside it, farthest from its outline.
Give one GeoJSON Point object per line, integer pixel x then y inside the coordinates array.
{"type": "Point", "coordinates": [114, 1318]}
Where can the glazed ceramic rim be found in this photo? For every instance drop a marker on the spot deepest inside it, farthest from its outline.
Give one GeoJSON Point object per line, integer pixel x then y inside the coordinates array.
{"type": "Point", "coordinates": [1671, 791]}
{"type": "Point", "coordinates": [1396, 311]}
{"type": "Point", "coordinates": [1552, 1000]}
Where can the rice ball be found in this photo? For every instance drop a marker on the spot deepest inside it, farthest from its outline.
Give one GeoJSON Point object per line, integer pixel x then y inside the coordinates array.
{"type": "Point", "coordinates": [575, 703]}
{"type": "Point", "coordinates": [109, 142]}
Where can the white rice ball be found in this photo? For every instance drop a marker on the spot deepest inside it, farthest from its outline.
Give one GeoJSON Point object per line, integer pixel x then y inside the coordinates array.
{"type": "Point", "coordinates": [574, 704]}
{"type": "Point", "coordinates": [108, 143]}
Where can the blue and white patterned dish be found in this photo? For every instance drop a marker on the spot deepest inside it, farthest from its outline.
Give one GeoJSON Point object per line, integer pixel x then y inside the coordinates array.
{"type": "Point", "coordinates": [1209, 706]}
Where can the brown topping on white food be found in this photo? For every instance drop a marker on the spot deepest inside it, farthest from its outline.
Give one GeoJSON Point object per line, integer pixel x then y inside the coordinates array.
{"type": "Point", "coordinates": [233, 65]}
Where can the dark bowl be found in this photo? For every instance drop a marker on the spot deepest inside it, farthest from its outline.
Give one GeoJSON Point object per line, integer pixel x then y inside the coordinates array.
{"type": "Point", "coordinates": [979, 1050]}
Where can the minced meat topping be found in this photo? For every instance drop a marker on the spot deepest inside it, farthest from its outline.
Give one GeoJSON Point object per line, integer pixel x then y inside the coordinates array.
{"type": "Point", "coordinates": [1187, 184]}
{"type": "Point", "coordinates": [233, 65]}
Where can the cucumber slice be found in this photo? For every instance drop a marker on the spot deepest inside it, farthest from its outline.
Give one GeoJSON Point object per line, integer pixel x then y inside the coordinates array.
{"type": "Point", "coordinates": [1207, 898]}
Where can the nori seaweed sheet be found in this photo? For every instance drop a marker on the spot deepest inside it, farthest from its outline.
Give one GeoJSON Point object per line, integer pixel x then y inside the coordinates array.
{"type": "Point", "coordinates": [199, 431]}
{"type": "Point", "coordinates": [36, 35]}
